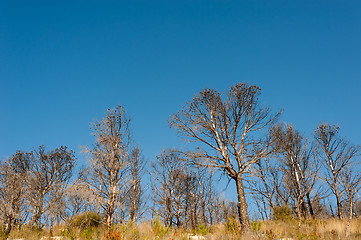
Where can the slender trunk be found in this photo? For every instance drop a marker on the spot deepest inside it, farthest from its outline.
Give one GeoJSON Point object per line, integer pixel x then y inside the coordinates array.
{"type": "Point", "coordinates": [51, 224]}
{"type": "Point", "coordinates": [338, 200]}
{"type": "Point", "coordinates": [154, 196]}
{"type": "Point", "coordinates": [299, 215]}
{"type": "Point", "coordinates": [351, 208]}
{"type": "Point", "coordinates": [132, 209]}
{"type": "Point", "coordinates": [9, 227]}
{"type": "Point", "coordinates": [242, 206]}
{"type": "Point", "coordinates": [349, 219]}
{"type": "Point", "coordinates": [109, 220]}
{"type": "Point", "coordinates": [109, 212]}
{"type": "Point", "coordinates": [310, 206]}
{"type": "Point", "coordinates": [36, 216]}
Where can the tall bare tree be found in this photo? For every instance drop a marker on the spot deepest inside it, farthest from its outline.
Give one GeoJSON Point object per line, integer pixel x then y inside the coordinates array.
{"type": "Point", "coordinates": [135, 193]}
{"type": "Point", "coordinates": [351, 184]}
{"type": "Point", "coordinates": [109, 160]}
{"type": "Point", "coordinates": [263, 188]}
{"type": "Point", "coordinates": [227, 131]}
{"type": "Point", "coordinates": [336, 154]}
{"type": "Point", "coordinates": [298, 164]}
{"type": "Point", "coordinates": [13, 187]}
{"type": "Point", "coordinates": [167, 172]}
{"type": "Point", "coordinates": [50, 171]}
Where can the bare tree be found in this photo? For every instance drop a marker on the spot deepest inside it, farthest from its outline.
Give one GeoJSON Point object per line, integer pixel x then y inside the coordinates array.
{"type": "Point", "coordinates": [166, 172]}
{"type": "Point", "coordinates": [78, 196]}
{"type": "Point", "coordinates": [184, 194]}
{"type": "Point", "coordinates": [135, 189]}
{"type": "Point", "coordinates": [298, 164]}
{"type": "Point", "coordinates": [49, 172]}
{"type": "Point", "coordinates": [110, 160]}
{"type": "Point", "coordinates": [228, 132]}
{"type": "Point", "coordinates": [13, 174]}
{"type": "Point", "coordinates": [336, 154]}
{"type": "Point", "coordinates": [263, 188]}
{"type": "Point", "coordinates": [351, 184]}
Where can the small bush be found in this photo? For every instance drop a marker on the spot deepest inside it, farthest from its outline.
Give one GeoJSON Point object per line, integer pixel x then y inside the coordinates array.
{"type": "Point", "coordinates": [89, 233]}
{"type": "Point", "coordinates": [114, 234]}
{"type": "Point", "coordinates": [232, 225]}
{"type": "Point", "coordinates": [256, 225]}
{"type": "Point", "coordinates": [283, 213]}
{"type": "Point", "coordinates": [158, 227]}
{"type": "Point", "coordinates": [86, 220]}
{"type": "Point", "coordinates": [202, 229]}
{"type": "Point", "coordinates": [3, 235]}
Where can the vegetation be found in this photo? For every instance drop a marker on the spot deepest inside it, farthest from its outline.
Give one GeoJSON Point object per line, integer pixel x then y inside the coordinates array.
{"type": "Point", "coordinates": [270, 229]}
{"type": "Point", "coordinates": [304, 187]}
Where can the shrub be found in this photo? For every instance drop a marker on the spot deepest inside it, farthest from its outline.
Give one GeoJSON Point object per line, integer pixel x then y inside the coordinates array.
{"type": "Point", "coordinates": [202, 229]}
{"type": "Point", "coordinates": [232, 225]}
{"type": "Point", "coordinates": [158, 227]}
{"type": "Point", "coordinates": [86, 220]}
{"type": "Point", "coordinates": [114, 234]}
{"type": "Point", "coordinates": [256, 225]}
{"type": "Point", "coordinates": [282, 213]}
{"type": "Point", "coordinates": [89, 233]}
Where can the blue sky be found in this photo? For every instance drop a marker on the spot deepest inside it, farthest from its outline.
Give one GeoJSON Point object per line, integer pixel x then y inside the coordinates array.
{"type": "Point", "coordinates": [63, 63]}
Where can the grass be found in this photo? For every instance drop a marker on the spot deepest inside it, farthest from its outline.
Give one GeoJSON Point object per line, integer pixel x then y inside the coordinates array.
{"type": "Point", "coordinates": [328, 229]}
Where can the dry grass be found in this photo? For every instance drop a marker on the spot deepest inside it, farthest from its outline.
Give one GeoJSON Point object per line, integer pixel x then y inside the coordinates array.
{"type": "Point", "coordinates": [311, 229]}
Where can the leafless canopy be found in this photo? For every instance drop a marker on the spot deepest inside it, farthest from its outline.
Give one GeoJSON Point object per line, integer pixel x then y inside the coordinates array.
{"type": "Point", "coordinates": [109, 160]}
{"type": "Point", "coordinates": [224, 127]}
{"type": "Point", "coordinates": [226, 130]}
{"type": "Point", "coordinates": [336, 155]}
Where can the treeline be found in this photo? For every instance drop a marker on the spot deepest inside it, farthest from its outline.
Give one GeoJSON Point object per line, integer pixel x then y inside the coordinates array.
{"type": "Point", "coordinates": [230, 134]}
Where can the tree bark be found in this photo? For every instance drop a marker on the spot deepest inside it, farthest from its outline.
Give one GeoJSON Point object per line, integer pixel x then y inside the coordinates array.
{"type": "Point", "coordinates": [310, 206]}
{"type": "Point", "coordinates": [242, 206]}
{"type": "Point", "coordinates": [338, 200]}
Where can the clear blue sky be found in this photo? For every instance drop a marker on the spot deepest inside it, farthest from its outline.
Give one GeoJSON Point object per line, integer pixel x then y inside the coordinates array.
{"type": "Point", "coordinates": [63, 63]}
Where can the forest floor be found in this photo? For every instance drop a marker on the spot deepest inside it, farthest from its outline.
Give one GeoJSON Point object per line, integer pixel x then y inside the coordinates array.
{"type": "Point", "coordinates": [310, 230]}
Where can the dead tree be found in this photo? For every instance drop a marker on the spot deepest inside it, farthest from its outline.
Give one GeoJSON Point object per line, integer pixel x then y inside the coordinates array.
{"type": "Point", "coordinates": [351, 185]}
{"type": "Point", "coordinates": [135, 192]}
{"type": "Point", "coordinates": [227, 131]}
{"type": "Point", "coordinates": [109, 160]}
{"type": "Point", "coordinates": [336, 154]}
{"type": "Point", "coordinates": [263, 188]}
{"type": "Point", "coordinates": [49, 172]}
{"type": "Point", "coordinates": [13, 187]}
{"type": "Point", "coordinates": [166, 173]}
{"type": "Point", "coordinates": [182, 193]}
{"type": "Point", "coordinates": [298, 164]}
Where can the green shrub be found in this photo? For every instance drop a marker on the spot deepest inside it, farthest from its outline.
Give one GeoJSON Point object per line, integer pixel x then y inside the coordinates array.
{"type": "Point", "coordinates": [89, 233]}
{"type": "Point", "coordinates": [283, 213]}
{"type": "Point", "coordinates": [202, 229]}
{"type": "Point", "coordinates": [256, 225]}
{"type": "Point", "coordinates": [158, 227]}
{"type": "Point", "coordinates": [86, 220]}
{"type": "Point", "coordinates": [3, 235]}
{"type": "Point", "coordinates": [232, 225]}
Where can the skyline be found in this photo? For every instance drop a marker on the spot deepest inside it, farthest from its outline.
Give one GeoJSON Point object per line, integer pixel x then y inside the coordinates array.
{"type": "Point", "coordinates": [64, 64]}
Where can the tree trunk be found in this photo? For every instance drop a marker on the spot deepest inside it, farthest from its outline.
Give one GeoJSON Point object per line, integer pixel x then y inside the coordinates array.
{"type": "Point", "coordinates": [109, 221]}
{"type": "Point", "coordinates": [35, 217]}
{"type": "Point", "coordinates": [338, 200]}
{"type": "Point", "coordinates": [8, 227]}
{"type": "Point", "coordinates": [242, 206]}
{"type": "Point", "coordinates": [310, 206]}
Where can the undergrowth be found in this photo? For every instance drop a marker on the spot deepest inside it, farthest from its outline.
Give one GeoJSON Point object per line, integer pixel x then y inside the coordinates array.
{"type": "Point", "coordinates": [329, 229]}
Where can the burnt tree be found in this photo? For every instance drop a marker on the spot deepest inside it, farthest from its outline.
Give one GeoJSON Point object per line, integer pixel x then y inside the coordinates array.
{"type": "Point", "coordinates": [227, 132]}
